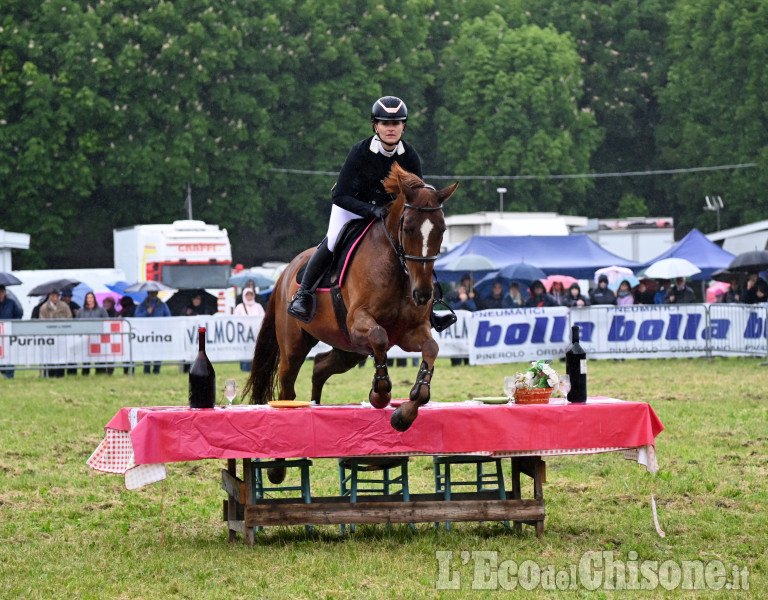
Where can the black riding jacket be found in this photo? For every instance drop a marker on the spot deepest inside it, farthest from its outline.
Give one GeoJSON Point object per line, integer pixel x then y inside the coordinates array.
{"type": "Point", "coordinates": [359, 187]}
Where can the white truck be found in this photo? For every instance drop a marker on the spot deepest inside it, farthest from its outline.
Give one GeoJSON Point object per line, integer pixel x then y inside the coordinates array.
{"type": "Point", "coordinates": [183, 255]}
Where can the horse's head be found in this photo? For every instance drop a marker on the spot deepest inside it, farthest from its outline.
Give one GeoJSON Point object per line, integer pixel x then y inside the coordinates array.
{"type": "Point", "coordinates": [417, 224]}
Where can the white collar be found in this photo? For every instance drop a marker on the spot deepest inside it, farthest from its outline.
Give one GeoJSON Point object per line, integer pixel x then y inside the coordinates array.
{"type": "Point", "coordinates": [376, 147]}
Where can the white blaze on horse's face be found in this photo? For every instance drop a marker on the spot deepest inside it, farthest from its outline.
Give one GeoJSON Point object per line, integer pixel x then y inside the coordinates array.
{"type": "Point", "coordinates": [426, 229]}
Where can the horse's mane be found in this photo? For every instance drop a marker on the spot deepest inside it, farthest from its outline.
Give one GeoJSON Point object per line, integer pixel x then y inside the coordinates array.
{"type": "Point", "coordinates": [398, 177]}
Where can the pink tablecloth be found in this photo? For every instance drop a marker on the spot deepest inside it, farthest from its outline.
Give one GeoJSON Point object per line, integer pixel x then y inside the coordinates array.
{"type": "Point", "coordinates": [172, 434]}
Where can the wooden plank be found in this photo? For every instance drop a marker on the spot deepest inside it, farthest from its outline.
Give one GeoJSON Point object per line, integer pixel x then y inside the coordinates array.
{"type": "Point", "coordinates": [434, 497]}
{"type": "Point", "coordinates": [237, 513]}
{"type": "Point", "coordinates": [233, 485]}
{"type": "Point", "coordinates": [334, 513]}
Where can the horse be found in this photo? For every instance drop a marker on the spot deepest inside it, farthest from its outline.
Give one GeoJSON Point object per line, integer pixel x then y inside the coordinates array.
{"type": "Point", "coordinates": [388, 294]}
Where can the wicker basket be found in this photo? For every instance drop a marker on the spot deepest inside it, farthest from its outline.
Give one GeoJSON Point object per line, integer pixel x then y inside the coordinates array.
{"type": "Point", "coordinates": [533, 396]}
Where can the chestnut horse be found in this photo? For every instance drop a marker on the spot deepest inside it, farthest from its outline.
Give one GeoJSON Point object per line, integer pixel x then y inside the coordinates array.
{"type": "Point", "coordinates": [388, 293]}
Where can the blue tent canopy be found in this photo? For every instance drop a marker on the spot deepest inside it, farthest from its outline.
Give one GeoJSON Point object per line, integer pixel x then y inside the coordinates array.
{"type": "Point", "coordinates": [576, 255]}
{"type": "Point", "coordinates": [698, 249]}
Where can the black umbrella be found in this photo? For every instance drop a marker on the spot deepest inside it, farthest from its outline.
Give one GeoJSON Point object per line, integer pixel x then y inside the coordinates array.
{"type": "Point", "coordinates": [754, 260]}
{"type": "Point", "coordinates": [55, 285]}
{"type": "Point", "coordinates": [8, 279]}
{"type": "Point", "coordinates": [180, 300]}
{"type": "Point", "coordinates": [727, 276]}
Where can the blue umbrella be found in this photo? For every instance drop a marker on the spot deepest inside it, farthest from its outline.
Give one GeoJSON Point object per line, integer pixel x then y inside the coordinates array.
{"type": "Point", "coordinates": [260, 281]}
{"type": "Point", "coordinates": [631, 279]}
{"type": "Point", "coordinates": [119, 287]}
{"type": "Point", "coordinates": [521, 272]}
{"type": "Point", "coordinates": [485, 285]}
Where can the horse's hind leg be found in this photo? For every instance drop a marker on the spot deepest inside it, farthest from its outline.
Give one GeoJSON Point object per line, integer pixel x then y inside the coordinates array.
{"type": "Point", "coordinates": [328, 364]}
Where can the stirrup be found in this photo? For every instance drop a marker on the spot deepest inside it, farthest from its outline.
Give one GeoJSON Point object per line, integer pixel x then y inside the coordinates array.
{"type": "Point", "coordinates": [304, 318]}
{"type": "Point", "coordinates": [442, 322]}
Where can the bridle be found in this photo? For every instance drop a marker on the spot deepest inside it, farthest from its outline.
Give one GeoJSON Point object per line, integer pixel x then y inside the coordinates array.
{"type": "Point", "coordinates": [398, 248]}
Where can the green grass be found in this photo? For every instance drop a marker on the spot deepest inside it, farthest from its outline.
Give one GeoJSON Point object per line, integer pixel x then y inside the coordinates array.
{"type": "Point", "coordinates": [67, 532]}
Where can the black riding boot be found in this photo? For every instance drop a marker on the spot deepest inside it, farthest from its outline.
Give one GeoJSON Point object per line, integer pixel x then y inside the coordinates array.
{"type": "Point", "coordinates": [302, 304]}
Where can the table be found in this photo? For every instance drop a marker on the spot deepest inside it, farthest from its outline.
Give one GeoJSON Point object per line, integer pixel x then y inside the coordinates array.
{"type": "Point", "coordinates": [140, 440]}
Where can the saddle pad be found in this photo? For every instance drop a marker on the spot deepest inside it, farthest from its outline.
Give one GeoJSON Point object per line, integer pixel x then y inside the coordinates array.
{"type": "Point", "coordinates": [349, 237]}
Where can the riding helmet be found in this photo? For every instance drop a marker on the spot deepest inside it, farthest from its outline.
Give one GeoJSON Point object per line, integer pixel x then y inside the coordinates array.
{"type": "Point", "coordinates": [389, 108]}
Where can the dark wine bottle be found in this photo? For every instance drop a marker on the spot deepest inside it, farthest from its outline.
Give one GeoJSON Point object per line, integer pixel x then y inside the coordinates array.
{"type": "Point", "coordinates": [576, 368]}
{"type": "Point", "coordinates": [202, 377]}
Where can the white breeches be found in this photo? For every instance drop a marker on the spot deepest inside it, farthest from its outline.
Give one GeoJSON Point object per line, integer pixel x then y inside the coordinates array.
{"type": "Point", "coordinates": [339, 218]}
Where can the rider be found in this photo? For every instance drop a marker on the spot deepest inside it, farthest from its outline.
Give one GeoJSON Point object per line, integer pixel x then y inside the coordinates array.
{"type": "Point", "coordinates": [359, 193]}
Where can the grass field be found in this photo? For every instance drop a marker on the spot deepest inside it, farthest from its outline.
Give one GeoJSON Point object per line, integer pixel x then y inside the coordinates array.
{"type": "Point", "coordinates": [68, 532]}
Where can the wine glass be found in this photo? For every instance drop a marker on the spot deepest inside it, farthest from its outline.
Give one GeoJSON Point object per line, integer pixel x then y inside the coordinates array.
{"type": "Point", "coordinates": [565, 385]}
{"type": "Point", "coordinates": [230, 390]}
{"type": "Point", "coordinates": [509, 387]}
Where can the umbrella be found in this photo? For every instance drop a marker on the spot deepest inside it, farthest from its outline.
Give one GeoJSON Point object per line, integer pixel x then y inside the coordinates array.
{"type": "Point", "coordinates": [566, 280]}
{"type": "Point", "coordinates": [8, 279]}
{"type": "Point", "coordinates": [147, 286]}
{"type": "Point", "coordinates": [754, 260]}
{"type": "Point", "coordinates": [521, 272]}
{"type": "Point", "coordinates": [631, 279]}
{"type": "Point", "coordinates": [729, 276]}
{"type": "Point", "coordinates": [613, 273]}
{"type": "Point", "coordinates": [671, 268]}
{"type": "Point", "coordinates": [183, 298]}
{"type": "Point", "coordinates": [471, 262]}
{"type": "Point", "coordinates": [49, 286]}
{"type": "Point", "coordinates": [240, 279]}
{"type": "Point", "coordinates": [119, 288]}
{"type": "Point", "coordinates": [485, 285]}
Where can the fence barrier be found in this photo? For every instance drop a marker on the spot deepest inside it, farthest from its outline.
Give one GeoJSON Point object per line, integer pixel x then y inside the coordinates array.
{"type": "Point", "coordinates": [485, 337]}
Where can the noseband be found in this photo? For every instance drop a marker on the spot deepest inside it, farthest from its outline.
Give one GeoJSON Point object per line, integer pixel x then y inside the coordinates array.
{"type": "Point", "coordinates": [399, 250]}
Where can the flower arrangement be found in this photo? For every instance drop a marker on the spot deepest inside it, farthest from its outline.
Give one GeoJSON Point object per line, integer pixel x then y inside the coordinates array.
{"type": "Point", "coordinates": [539, 375]}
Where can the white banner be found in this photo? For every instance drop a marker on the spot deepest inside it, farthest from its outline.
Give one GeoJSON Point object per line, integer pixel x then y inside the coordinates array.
{"type": "Point", "coordinates": [486, 337]}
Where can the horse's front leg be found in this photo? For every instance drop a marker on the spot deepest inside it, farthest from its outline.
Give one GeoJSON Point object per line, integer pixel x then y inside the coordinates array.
{"type": "Point", "coordinates": [407, 412]}
{"type": "Point", "coordinates": [381, 388]}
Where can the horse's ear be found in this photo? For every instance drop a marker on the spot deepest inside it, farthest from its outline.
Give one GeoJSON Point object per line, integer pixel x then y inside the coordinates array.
{"type": "Point", "coordinates": [446, 193]}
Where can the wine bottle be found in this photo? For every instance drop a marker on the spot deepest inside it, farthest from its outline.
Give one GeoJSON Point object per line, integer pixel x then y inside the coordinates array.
{"type": "Point", "coordinates": [576, 368]}
{"type": "Point", "coordinates": [202, 377]}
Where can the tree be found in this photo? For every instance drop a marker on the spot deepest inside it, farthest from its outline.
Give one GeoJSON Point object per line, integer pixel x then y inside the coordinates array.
{"type": "Point", "coordinates": [713, 108]}
{"type": "Point", "coordinates": [509, 108]}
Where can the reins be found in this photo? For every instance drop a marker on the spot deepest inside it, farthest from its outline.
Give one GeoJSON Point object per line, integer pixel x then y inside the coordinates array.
{"type": "Point", "coordinates": [398, 249]}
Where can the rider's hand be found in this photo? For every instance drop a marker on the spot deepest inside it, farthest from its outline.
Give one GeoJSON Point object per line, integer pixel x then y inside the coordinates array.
{"type": "Point", "coordinates": [379, 212]}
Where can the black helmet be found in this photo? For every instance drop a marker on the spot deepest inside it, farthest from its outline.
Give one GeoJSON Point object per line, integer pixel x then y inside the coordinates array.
{"type": "Point", "coordinates": [389, 108]}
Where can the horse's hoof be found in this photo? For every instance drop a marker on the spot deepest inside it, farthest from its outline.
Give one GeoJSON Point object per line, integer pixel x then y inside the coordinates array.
{"type": "Point", "coordinates": [378, 400]}
{"type": "Point", "coordinates": [276, 474]}
{"type": "Point", "coordinates": [398, 421]}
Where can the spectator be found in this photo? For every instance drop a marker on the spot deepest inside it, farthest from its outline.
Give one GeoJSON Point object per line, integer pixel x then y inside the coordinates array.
{"type": "Point", "coordinates": [54, 308]}
{"type": "Point", "coordinates": [755, 289]}
{"type": "Point", "coordinates": [513, 299]}
{"type": "Point", "coordinates": [196, 306]}
{"type": "Point", "coordinates": [66, 298]}
{"type": "Point", "coordinates": [679, 293]}
{"type": "Point", "coordinates": [539, 296]}
{"type": "Point", "coordinates": [557, 291]}
{"type": "Point", "coordinates": [91, 310]}
{"type": "Point", "coordinates": [109, 305]}
{"type": "Point", "coordinates": [36, 311]}
{"type": "Point", "coordinates": [661, 293]}
{"type": "Point", "coordinates": [733, 293]}
{"type": "Point", "coordinates": [466, 283]}
{"type": "Point", "coordinates": [495, 298]}
{"type": "Point", "coordinates": [127, 307]}
{"type": "Point", "coordinates": [642, 295]}
{"type": "Point", "coordinates": [249, 306]}
{"type": "Point", "coordinates": [575, 297]}
{"type": "Point", "coordinates": [9, 309]}
{"type": "Point", "coordinates": [152, 306]}
{"type": "Point", "coordinates": [602, 294]}
{"type": "Point", "coordinates": [462, 300]}
{"type": "Point", "coordinates": [624, 295]}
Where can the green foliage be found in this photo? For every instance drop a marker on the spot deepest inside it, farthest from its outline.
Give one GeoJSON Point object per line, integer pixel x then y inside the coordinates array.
{"type": "Point", "coordinates": [108, 109]}
{"type": "Point", "coordinates": [632, 206]}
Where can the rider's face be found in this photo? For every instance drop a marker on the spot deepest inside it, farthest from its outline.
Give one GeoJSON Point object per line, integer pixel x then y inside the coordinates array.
{"type": "Point", "coordinates": [389, 132]}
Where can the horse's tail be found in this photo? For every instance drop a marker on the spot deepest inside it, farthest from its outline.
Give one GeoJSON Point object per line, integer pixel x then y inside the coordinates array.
{"type": "Point", "coordinates": [266, 356]}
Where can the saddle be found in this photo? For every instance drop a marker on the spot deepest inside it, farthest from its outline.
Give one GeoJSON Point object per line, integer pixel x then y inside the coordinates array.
{"type": "Point", "coordinates": [349, 238]}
